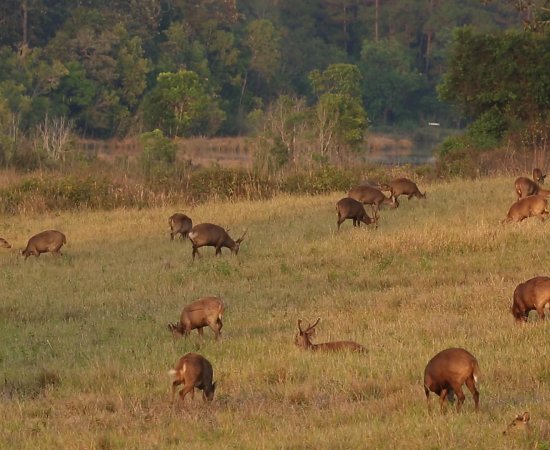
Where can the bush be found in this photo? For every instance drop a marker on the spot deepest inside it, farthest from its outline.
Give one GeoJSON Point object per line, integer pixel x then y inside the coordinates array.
{"type": "Point", "coordinates": [158, 153]}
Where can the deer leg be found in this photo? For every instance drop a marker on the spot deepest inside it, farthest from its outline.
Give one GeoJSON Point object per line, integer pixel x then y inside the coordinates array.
{"type": "Point", "coordinates": [195, 252]}
{"type": "Point", "coordinates": [339, 222]}
{"type": "Point", "coordinates": [540, 311]}
{"type": "Point", "coordinates": [442, 398]}
{"type": "Point", "coordinates": [218, 251]}
{"type": "Point", "coordinates": [171, 236]}
{"type": "Point", "coordinates": [186, 390]}
{"type": "Point", "coordinates": [461, 397]}
{"type": "Point", "coordinates": [470, 383]}
{"type": "Point", "coordinates": [200, 331]}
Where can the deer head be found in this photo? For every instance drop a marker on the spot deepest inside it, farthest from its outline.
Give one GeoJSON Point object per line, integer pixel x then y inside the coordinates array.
{"type": "Point", "coordinates": [302, 338]}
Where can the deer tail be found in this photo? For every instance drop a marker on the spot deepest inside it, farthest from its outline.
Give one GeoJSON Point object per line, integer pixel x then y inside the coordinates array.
{"type": "Point", "coordinates": [173, 374]}
{"type": "Point", "coordinates": [477, 372]}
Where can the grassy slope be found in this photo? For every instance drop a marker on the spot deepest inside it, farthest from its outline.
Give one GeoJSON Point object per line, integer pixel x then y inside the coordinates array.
{"type": "Point", "coordinates": [85, 349]}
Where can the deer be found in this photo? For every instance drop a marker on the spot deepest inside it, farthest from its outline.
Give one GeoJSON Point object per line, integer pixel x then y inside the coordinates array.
{"type": "Point", "coordinates": [445, 374]}
{"type": "Point", "coordinates": [533, 294]}
{"type": "Point", "coordinates": [532, 206]}
{"type": "Point", "coordinates": [206, 311]}
{"type": "Point", "coordinates": [521, 424]}
{"type": "Point", "coordinates": [538, 176]}
{"type": "Point", "coordinates": [179, 224]}
{"type": "Point", "coordinates": [4, 243]}
{"type": "Point", "coordinates": [348, 208]}
{"type": "Point", "coordinates": [193, 371]}
{"type": "Point", "coordinates": [369, 195]}
{"type": "Point", "coordinates": [526, 187]}
{"type": "Point", "coordinates": [303, 340]}
{"type": "Point", "coordinates": [210, 235]}
{"type": "Point", "coordinates": [403, 186]}
{"type": "Point", "coordinates": [44, 242]}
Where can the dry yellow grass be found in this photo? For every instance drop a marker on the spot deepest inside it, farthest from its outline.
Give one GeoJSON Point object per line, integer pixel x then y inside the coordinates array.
{"type": "Point", "coordinates": [86, 349]}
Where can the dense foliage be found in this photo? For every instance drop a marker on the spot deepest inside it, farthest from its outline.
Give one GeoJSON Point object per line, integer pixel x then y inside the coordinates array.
{"type": "Point", "coordinates": [188, 68]}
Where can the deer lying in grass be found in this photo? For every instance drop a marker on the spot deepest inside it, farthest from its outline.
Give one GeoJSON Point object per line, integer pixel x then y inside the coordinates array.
{"type": "Point", "coordinates": [210, 235]}
{"type": "Point", "coordinates": [4, 243]}
{"type": "Point", "coordinates": [538, 176]}
{"type": "Point", "coordinates": [369, 195]}
{"type": "Point", "coordinates": [179, 224]}
{"type": "Point", "coordinates": [303, 340]}
{"type": "Point", "coordinates": [521, 424]}
{"type": "Point", "coordinates": [445, 374]}
{"type": "Point", "coordinates": [533, 294]}
{"type": "Point", "coordinates": [348, 208]}
{"type": "Point", "coordinates": [206, 311]}
{"type": "Point", "coordinates": [403, 186]}
{"type": "Point", "coordinates": [193, 371]}
{"type": "Point", "coordinates": [46, 241]}
{"type": "Point", "coordinates": [534, 205]}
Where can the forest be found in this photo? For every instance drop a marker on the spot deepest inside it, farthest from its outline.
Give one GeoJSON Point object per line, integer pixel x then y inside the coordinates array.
{"type": "Point", "coordinates": [288, 72]}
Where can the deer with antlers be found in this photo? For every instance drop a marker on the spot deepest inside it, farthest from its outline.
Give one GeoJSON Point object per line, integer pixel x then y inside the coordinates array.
{"type": "Point", "coordinates": [303, 340]}
{"type": "Point", "coordinates": [210, 235]}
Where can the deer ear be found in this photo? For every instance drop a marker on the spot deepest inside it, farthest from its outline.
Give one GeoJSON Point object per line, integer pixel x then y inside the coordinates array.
{"type": "Point", "coordinates": [525, 416]}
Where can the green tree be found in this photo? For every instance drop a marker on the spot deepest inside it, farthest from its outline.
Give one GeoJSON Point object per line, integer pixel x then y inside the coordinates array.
{"type": "Point", "coordinates": [501, 81]}
{"type": "Point", "coordinates": [391, 84]}
{"type": "Point", "coordinates": [180, 105]}
{"type": "Point", "coordinates": [339, 119]}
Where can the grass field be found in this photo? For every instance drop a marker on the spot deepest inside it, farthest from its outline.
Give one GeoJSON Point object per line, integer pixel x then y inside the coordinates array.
{"type": "Point", "coordinates": [86, 350]}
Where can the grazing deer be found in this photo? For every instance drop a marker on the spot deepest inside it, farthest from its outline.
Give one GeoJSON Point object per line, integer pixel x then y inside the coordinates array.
{"type": "Point", "coordinates": [4, 243]}
{"type": "Point", "coordinates": [348, 208]}
{"type": "Point", "coordinates": [179, 224]}
{"type": "Point", "coordinates": [210, 235]}
{"type": "Point", "coordinates": [403, 186]}
{"type": "Point", "coordinates": [369, 195]}
{"type": "Point", "coordinates": [534, 205]}
{"type": "Point", "coordinates": [46, 241]}
{"type": "Point", "coordinates": [303, 340]}
{"type": "Point", "coordinates": [447, 371]}
{"type": "Point", "coordinates": [526, 187]}
{"type": "Point", "coordinates": [206, 311]}
{"type": "Point", "coordinates": [521, 424]}
{"type": "Point", "coordinates": [193, 371]}
{"type": "Point", "coordinates": [533, 294]}
{"type": "Point", "coordinates": [538, 176]}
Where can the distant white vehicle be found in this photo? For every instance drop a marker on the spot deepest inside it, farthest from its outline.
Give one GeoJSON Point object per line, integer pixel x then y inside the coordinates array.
{"type": "Point", "coordinates": [434, 124]}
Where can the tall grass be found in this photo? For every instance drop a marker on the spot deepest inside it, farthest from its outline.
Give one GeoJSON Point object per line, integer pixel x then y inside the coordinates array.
{"type": "Point", "coordinates": [86, 348]}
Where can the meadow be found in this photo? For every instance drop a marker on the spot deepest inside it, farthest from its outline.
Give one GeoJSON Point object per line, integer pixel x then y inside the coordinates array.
{"type": "Point", "coordinates": [86, 349]}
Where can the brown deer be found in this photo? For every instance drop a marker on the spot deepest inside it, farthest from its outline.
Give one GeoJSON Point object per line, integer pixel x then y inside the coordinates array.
{"type": "Point", "coordinates": [526, 187]}
{"type": "Point", "coordinates": [534, 205]}
{"type": "Point", "coordinates": [533, 294]}
{"type": "Point", "coordinates": [348, 208]}
{"type": "Point", "coordinates": [521, 424]}
{"type": "Point", "coordinates": [210, 235]}
{"type": "Point", "coordinates": [369, 195]}
{"type": "Point", "coordinates": [179, 224]}
{"type": "Point", "coordinates": [538, 176]}
{"type": "Point", "coordinates": [4, 243]}
{"type": "Point", "coordinates": [44, 242]}
{"type": "Point", "coordinates": [447, 371]}
{"type": "Point", "coordinates": [204, 312]}
{"type": "Point", "coordinates": [403, 186]}
{"type": "Point", "coordinates": [303, 340]}
{"type": "Point", "coordinates": [193, 371]}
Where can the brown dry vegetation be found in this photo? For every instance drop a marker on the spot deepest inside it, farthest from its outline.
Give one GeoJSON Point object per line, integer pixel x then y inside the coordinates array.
{"type": "Point", "coordinates": [86, 348]}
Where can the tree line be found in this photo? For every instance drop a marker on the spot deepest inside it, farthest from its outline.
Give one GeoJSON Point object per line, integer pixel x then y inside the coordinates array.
{"type": "Point", "coordinates": [321, 69]}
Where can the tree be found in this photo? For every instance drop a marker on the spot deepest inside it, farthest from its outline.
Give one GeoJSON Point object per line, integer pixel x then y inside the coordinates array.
{"type": "Point", "coordinates": [501, 81]}
{"type": "Point", "coordinates": [339, 118]}
{"type": "Point", "coordinates": [390, 81]}
{"type": "Point", "coordinates": [181, 106]}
